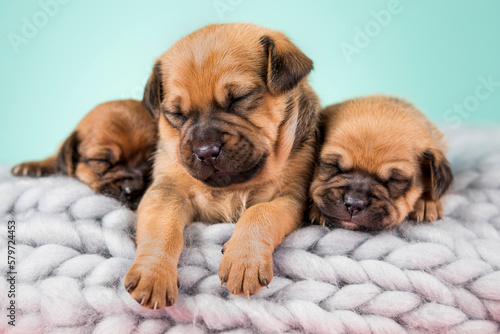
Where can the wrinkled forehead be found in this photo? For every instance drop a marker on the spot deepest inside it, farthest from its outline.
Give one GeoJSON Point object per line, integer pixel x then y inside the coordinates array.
{"type": "Point", "coordinates": [115, 136]}
{"type": "Point", "coordinates": [203, 72]}
{"type": "Point", "coordinates": [383, 161]}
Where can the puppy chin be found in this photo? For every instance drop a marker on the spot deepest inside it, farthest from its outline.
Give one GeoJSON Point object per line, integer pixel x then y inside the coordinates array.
{"type": "Point", "coordinates": [132, 204]}
{"type": "Point", "coordinates": [334, 217]}
{"type": "Point", "coordinates": [113, 191]}
{"type": "Point", "coordinates": [349, 224]}
{"type": "Point", "coordinates": [213, 177]}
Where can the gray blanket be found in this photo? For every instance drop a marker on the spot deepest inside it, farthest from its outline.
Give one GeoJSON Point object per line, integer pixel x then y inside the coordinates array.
{"type": "Point", "coordinates": [72, 249]}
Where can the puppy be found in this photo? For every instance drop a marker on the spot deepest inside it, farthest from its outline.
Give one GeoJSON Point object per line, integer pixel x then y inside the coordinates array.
{"type": "Point", "coordinates": [381, 160]}
{"type": "Point", "coordinates": [109, 150]}
{"type": "Point", "coordinates": [237, 123]}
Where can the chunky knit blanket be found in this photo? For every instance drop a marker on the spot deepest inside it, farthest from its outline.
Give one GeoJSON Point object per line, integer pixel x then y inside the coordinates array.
{"type": "Point", "coordinates": [72, 249]}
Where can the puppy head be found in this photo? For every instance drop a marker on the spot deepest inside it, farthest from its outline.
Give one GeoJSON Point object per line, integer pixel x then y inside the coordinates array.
{"type": "Point", "coordinates": [370, 173]}
{"type": "Point", "coordinates": [111, 149]}
{"type": "Point", "coordinates": [223, 99]}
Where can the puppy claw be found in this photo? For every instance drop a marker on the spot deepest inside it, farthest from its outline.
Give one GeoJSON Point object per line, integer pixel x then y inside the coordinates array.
{"type": "Point", "coordinates": [129, 287]}
{"type": "Point", "coordinates": [142, 301]}
{"type": "Point", "coordinates": [155, 306]}
{"type": "Point", "coordinates": [248, 295]}
{"type": "Point", "coordinates": [427, 211]}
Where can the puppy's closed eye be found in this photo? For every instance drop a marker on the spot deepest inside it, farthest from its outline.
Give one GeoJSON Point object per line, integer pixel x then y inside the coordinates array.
{"type": "Point", "coordinates": [398, 186]}
{"type": "Point", "coordinates": [233, 101]}
{"type": "Point", "coordinates": [398, 183]}
{"type": "Point", "coordinates": [239, 101]}
{"type": "Point", "coordinates": [99, 166]}
{"type": "Point", "coordinates": [332, 167]}
{"type": "Point", "coordinates": [329, 167]}
{"type": "Point", "coordinates": [175, 117]}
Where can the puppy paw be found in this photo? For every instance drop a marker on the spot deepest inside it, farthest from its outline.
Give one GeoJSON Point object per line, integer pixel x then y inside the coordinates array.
{"type": "Point", "coordinates": [33, 169]}
{"type": "Point", "coordinates": [246, 266]}
{"type": "Point", "coordinates": [315, 216]}
{"type": "Point", "coordinates": [427, 211]}
{"type": "Point", "coordinates": [152, 282]}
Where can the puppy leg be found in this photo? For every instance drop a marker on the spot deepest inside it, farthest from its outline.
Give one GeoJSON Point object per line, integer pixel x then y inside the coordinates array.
{"type": "Point", "coordinates": [427, 210]}
{"type": "Point", "coordinates": [152, 279]}
{"type": "Point", "coordinates": [36, 168]}
{"type": "Point", "coordinates": [247, 263]}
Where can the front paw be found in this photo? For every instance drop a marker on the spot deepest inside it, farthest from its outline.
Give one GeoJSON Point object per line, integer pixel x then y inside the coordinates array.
{"type": "Point", "coordinates": [152, 282]}
{"type": "Point", "coordinates": [315, 216]}
{"type": "Point", "coordinates": [246, 266]}
{"type": "Point", "coordinates": [427, 211]}
{"type": "Point", "coordinates": [33, 169]}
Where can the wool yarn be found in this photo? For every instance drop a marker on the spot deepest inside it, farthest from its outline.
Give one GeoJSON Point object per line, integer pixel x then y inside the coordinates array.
{"type": "Point", "coordinates": [73, 248]}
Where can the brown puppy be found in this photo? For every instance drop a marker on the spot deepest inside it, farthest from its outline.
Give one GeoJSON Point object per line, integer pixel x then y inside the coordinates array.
{"type": "Point", "coordinates": [110, 150]}
{"type": "Point", "coordinates": [237, 122]}
{"type": "Point", "coordinates": [380, 161]}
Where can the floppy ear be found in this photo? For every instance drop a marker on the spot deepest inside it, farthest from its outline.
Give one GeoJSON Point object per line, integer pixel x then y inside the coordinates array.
{"type": "Point", "coordinates": [286, 64]}
{"type": "Point", "coordinates": [153, 93]}
{"type": "Point", "coordinates": [68, 156]}
{"type": "Point", "coordinates": [437, 174]}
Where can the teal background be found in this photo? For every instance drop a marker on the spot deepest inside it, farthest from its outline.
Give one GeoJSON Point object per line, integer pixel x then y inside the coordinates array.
{"type": "Point", "coordinates": [432, 53]}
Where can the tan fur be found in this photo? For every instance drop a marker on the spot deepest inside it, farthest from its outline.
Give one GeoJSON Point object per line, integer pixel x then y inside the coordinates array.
{"type": "Point", "coordinates": [120, 133]}
{"type": "Point", "coordinates": [196, 75]}
{"type": "Point", "coordinates": [376, 137]}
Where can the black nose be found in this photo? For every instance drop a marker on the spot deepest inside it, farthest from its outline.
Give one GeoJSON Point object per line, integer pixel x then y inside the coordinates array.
{"type": "Point", "coordinates": [354, 206]}
{"type": "Point", "coordinates": [132, 188]}
{"type": "Point", "coordinates": [208, 154]}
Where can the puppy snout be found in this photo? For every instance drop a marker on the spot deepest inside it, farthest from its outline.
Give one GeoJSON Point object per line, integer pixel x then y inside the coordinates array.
{"type": "Point", "coordinates": [132, 188]}
{"type": "Point", "coordinates": [354, 205]}
{"type": "Point", "coordinates": [208, 154]}
{"type": "Point", "coordinates": [206, 143]}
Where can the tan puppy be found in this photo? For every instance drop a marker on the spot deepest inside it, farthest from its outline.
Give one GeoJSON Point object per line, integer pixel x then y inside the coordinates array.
{"type": "Point", "coordinates": [237, 122]}
{"type": "Point", "coordinates": [380, 161]}
{"type": "Point", "coordinates": [110, 150]}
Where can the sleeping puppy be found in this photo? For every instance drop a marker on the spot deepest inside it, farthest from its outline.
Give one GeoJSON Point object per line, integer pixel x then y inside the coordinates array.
{"type": "Point", "coordinates": [237, 123]}
{"type": "Point", "coordinates": [381, 161]}
{"type": "Point", "coordinates": [110, 150]}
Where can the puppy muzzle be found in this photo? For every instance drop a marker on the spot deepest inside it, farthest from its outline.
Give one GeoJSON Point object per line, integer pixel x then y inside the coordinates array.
{"type": "Point", "coordinates": [219, 158]}
{"type": "Point", "coordinates": [350, 209]}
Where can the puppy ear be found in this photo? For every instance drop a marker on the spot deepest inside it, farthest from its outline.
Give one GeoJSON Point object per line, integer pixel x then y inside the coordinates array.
{"type": "Point", "coordinates": [286, 64]}
{"type": "Point", "coordinates": [437, 174]}
{"type": "Point", "coordinates": [68, 157]}
{"type": "Point", "coordinates": [153, 93]}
